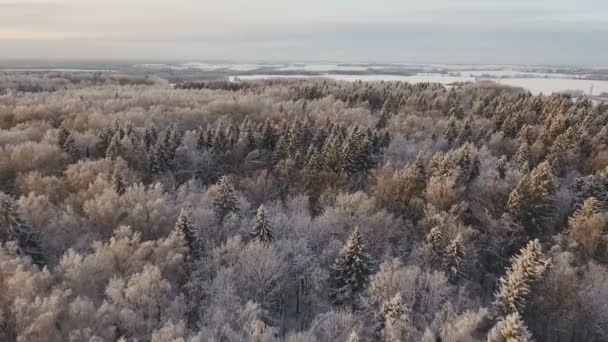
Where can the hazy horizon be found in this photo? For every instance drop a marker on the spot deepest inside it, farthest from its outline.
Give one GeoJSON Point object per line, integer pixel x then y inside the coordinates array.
{"type": "Point", "coordinates": [388, 31]}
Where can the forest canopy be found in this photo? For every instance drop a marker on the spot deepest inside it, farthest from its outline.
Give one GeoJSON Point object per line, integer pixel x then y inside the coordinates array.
{"type": "Point", "coordinates": [299, 210]}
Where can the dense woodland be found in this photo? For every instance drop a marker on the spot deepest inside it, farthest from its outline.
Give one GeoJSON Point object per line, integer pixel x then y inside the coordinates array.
{"type": "Point", "coordinates": [299, 211]}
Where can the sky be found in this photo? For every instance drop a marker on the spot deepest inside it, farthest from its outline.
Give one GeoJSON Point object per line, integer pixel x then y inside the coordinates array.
{"type": "Point", "coordinates": [573, 32]}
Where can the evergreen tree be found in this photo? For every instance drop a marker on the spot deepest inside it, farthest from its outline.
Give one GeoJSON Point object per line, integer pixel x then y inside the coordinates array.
{"type": "Point", "coordinates": [434, 240]}
{"type": "Point", "coordinates": [187, 233]}
{"type": "Point", "coordinates": [281, 151]}
{"type": "Point", "coordinates": [450, 130]}
{"type": "Point", "coordinates": [531, 203]}
{"type": "Point", "coordinates": [118, 183]}
{"type": "Point", "coordinates": [522, 159]}
{"type": "Point", "coordinates": [350, 272]}
{"type": "Point", "coordinates": [262, 231]}
{"type": "Point", "coordinates": [454, 255]}
{"type": "Point", "coordinates": [225, 200]}
{"type": "Point", "coordinates": [70, 149]}
{"type": "Point", "coordinates": [14, 228]}
{"type": "Point", "coordinates": [268, 137]}
{"type": "Point", "coordinates": [501, 167]}
{"type": "Point", "coordinates": [62, 136]}
{"type": "Point", "coordinates": [516, 285]}
{"type": "Point", "coordinates": [395, 320]}
{"type": "Point", "coordinates": [510, 329]}
{"type": "Point", "coordinates": [115, 149]}
{"type": "Point", "coordinates": [150, 136]}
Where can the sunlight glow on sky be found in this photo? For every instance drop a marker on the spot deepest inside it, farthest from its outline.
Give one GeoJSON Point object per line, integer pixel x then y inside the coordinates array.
{"type": "Point", "coordinates": [469, 31]}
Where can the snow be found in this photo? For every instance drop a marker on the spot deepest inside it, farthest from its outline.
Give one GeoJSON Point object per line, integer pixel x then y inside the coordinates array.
{"type": "Point", "coordinates": [535, 85]}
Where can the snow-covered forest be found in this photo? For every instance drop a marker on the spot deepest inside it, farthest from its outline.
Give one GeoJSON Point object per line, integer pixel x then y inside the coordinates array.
{"type": "Point", "coordinates": [300, 211]}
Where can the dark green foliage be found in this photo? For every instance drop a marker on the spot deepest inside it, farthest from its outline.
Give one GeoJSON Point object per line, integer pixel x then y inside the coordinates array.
{"type": "Point", "coordinates": [350, 273]}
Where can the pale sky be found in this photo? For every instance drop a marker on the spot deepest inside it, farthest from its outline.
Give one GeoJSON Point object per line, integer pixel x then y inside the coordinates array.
{"type": "Point", "coordinates": [423, 31]}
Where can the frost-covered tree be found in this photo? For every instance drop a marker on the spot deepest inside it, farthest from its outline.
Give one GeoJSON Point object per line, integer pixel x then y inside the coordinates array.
{"type": "Point", "coordinates": [262, 231]}
{"type": "Point", "coordinates": [14, 228]}
{"type": "Point", "coordinates": [532, 201]}
{"type": "Point", "coordinates": [225, 200]}
{"type": "Point", "coordinates": [516, 285]}
{"type": "Point", "coordinates": [510, 329]}
{"type": "Point", "coordinates": [351, 270]}
{"type": "Point", "coordinates": [454, 254]}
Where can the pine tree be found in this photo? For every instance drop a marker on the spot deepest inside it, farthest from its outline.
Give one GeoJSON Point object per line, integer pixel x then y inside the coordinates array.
{"type": "Point", "coordinates": [350, 272]}
{"type": "Point", "coordinates": [150, 136]}
{"type": "Point", "coordinates": [268, 138]}
{"type": "Point", "coordinates": [118, 183]}
{"type": "Point", "coordinates": [70, 149]}
{"type": "Point", "coordinates": [454, 254]}
{"type": "Point", "coordinates": [262, 231]}
{"type": "Point", "coordinates": [187, 233]}
{"type": "Point", "coordinates": [501, 167]}
{"type": "Point", "coordinates": [14, 228]}
{"type": "Point", "coordinates": [62, 136]}
{"type": "Point", "coordinates": [225, 200]}
{"type": "Point", "coordinates": [526, 269]}
{"type": "Point", "coordinates": [522, 159]}
{"type": "Point", "coordinates": [115, 149]}
{"type": "Point", "coordinates": [450, 130]}
{"type": "Point", "coordinates": [510, 329]}
{"type": "Point", "coordinates": [434, 240]}
{"type": "Point", "coordinates": [466, 133]}
{"type": "Point", "coordinates": [531, 203]}
{"type": "Point", "coordinates": [395, 320]}
{"type": "Point", "coordinates": [281, 150]}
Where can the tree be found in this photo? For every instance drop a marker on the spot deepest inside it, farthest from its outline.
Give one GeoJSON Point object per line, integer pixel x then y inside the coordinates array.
{"type": "Point", "coordinates": [262, 231]}
{"type": "Point", "coordinates": [434, 240]}
{"type": "Point", "coordinates": [510, 329]}
{"type": "Point", "coordinates": [70, 149]}
{"type": "Point", "coordinates": [350, 272]}
{"type": "Point", "coordinates": [225, 201]}
{"type": "Point", "coordinates": [526, 269]}
{"type": "Point", "coordinates": [531, 203]}
{"type": "Point", "coordinates": [115, 149]}
{"type": "Point", "coordinates": [454, 254]}
{"type": "Point", "coordinates": [187, 233]}
{"type": "Point", "coordinates": [501, 167]}
{"type": "Point", "coordinates": [118, 183]}
{"type": "Point", "coordinates": [396, 321]}
{"type": "Point", "coordinates": [587, 227]}
{"type": "Point", "coordinates": [450, 131]}
{"type": "Point", "coordinates": [14, 228]}
{"type": "Point", "coordinates": [522, 159]}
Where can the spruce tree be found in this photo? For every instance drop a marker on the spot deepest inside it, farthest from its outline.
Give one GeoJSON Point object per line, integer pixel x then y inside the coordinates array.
{"type": "Point", "coordinates": [115, 149]}
{"type": "Point", "coordinates": [70, 149]}
{"type": "Point", "coordinates": [268, 138]}
{"type": "Point", "coordinates": [225, 200]}
{"type": "Point", "coordinates": [150, 136]}
{"type": "Point", "coordinates": [522, 159]}
{"type": "Point", "coordinates": [118, 183]}
{"type": "Point", "coordinates": [350, 273]}
{"type": "Point", "coordinates": [501, 167]}
{"type": "Point", "coordinates": [262, 231]}
{"type": "Point", "coordinates": [62, 136]}
{"type": "Point", "coordinates": [454, 255]}
{"type": "Point", "coordinates": [281, 150]}
{"type": "Point", "coordinates": [187, 233]}
{"type": "Point", "coordinates": [434, 240]}
{"type": "Point", "coordinates": [531, 203]}
{"type": "Point", "coordinates": [450, 130]}
{"type": "Point", "coordinates": [395, 320]}
{"type": "Point", "coordinates": [526, 269]}
{"type": "Point", "coordinates": [510, 329]}
{"type": "Point", "coordinates": [14, 228]}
